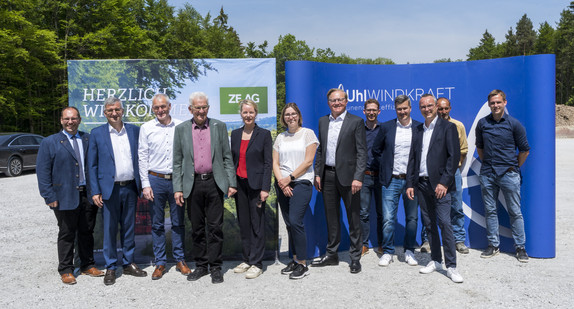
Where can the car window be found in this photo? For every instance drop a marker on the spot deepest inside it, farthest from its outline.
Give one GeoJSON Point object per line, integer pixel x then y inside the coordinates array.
{"type": "Point", "coordinates": [26, 140]}
{"type": "Point", "coordinates": [38, 140]}
{"type": "Point", "coordinates": [17, 142]}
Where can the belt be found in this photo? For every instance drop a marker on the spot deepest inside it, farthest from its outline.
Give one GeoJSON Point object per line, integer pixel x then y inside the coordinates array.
{"type": "Point", "coordinates": [164, 176]}
{"type": "Point", "coordinates": [204, 176]}
{"type": "Point", "coordinates": [123, 183]}
{"type": "Point", "coordinates": [371, 173]}
{"type": "Point", "coordinates": [424, 178]}
{"type": "Point", "coordinates": [329, 168]}
{"type": "Point", "coordinates": [400, 176]}
{"type": "Point", "coordinates": [81, 188]}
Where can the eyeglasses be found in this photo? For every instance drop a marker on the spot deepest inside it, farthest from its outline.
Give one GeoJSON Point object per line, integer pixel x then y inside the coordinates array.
{"type": "Point", "coordinates": [371, 110]}
{"type": "Point", "coordinates": [71, 119]}
{"type": "Point", "coordinates": [429, 106]}
{"type": "Point", "coordinates": [291, 115]}
{"type": "Point", "coordinates": [340, 100]}
{"type": "Point", "coordinates": [112, 110]}
{"type": "Point", "coordinates": [199, 108]}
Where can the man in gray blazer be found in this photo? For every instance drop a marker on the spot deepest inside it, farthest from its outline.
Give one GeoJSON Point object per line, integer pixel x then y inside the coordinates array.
{"type": "Point", "coordinates": [339, 171]}
{"type": "Point", "coordinates": [203, 171]}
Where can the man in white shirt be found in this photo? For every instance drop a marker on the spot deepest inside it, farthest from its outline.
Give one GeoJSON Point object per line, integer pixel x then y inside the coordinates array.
{"type": "Point", "coordinates": [155, 153]}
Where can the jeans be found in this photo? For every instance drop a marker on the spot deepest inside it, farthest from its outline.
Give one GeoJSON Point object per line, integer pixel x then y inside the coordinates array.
{"type": "Point", "coordinates": [456, 213]}
{"type": "Point", "coordinates": [163, 193]}
{"type": "Point", "coordinates": [371, 188]}
{"type": "Point", "coordinates": [293, 210]}
{"type": "Point", "coordinates": [491, 185]}
{"type": "Point", "coordinates": [391, 195]}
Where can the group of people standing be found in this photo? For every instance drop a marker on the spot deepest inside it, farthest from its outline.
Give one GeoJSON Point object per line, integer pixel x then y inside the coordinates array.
{"type": "Point", "coordinates": [174, 163]}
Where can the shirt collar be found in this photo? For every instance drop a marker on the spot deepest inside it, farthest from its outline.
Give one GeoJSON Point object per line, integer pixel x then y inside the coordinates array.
{"type": "Point", "coordinates": [157, 123]}
{"type": "Point", "coordinates": [407, 126]}
{"type": "Point", "coordinates": [205, 124]}
{"type": "Point", "coordinates": [112, 130]}
{"type": "Point", "coordinates": [77, 135]}
{"type": "Point", "coordinates": [432, 124]}
{"type": "Point", "coordinates": [342, 116]}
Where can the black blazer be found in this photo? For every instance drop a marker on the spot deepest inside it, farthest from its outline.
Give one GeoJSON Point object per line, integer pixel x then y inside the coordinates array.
{"type": "Point", "coordinates": [351, 153]}
{"type": "Point", "coordinates": [442, 158]}
{"type": "Point", "coordinates": [384, 149]}
{"type": "Point", "coordinates": [258, 157]}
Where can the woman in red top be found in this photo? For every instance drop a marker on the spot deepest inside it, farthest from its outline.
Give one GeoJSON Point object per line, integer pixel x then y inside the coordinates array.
{"type": "Point", "coordinates": [251, 149]}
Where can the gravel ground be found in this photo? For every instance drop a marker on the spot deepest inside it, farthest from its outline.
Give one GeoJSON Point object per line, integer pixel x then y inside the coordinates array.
{"type": "Point", "coordinates": [30, 278]}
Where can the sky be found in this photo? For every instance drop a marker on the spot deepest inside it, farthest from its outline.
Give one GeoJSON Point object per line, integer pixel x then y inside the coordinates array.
{"type": "Point", "coordinates": [417, 31]}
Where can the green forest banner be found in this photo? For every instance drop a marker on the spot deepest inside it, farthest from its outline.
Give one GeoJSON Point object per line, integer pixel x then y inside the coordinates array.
{"type": "Point", "coordinates": [225, 81]}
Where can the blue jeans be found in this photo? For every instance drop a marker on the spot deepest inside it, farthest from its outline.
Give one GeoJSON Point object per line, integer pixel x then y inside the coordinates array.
{"type": "Point", "coordinates": [456, 213]}
{"type": "Point", "coordinates": [163, 193]}
{"type": "Point", "coordinates": [491, 185]}
{"type": "Point", "coordinates": [293, 210]}
{"type": "Point", "coordinates": [391, 195]}
{"type": "Point", "coordinates": [371, 188]}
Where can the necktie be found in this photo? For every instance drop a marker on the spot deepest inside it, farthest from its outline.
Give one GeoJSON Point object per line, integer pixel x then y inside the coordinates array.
{"type": "Point", "coordinates": [79, 158]}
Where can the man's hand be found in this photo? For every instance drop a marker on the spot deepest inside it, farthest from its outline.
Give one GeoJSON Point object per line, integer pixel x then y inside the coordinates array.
{"type": "Point", "coordinates": [54, 204]}
{"type": "Point", "coordinates": [410, 193]}
{"type": "Point", "coordinates": [98, 200]}
{"type": "Point", "coordinates": [317, 183]}
{"type": "Point", "coordinates": [231, 191]}
{"type": "Point", "coordinates": [178, 196]}
{"type": "Point", "coordinates": [356, 186]}
{"type": "Point", "coordinates": [148, 193]}
{"type": "Point", "coordinates": [440, 191]}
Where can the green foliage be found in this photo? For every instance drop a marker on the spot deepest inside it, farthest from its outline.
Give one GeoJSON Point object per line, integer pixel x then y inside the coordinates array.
{"type": "Point", "coordinates": [487, 49]}
{"type": "Point", "coordinates": [565, 57]}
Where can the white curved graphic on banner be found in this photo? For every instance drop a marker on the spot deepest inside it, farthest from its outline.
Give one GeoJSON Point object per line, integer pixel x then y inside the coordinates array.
{"type": "Point", "coordinates": [474, 164]}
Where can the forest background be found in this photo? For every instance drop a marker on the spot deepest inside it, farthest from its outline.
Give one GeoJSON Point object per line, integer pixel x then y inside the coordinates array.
{"type": "Point", "coordinates": [37, 37]}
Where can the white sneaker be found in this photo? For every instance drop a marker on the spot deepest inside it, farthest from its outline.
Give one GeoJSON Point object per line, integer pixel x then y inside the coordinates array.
{"type": "Point", "coordinates": [253, 272]}
{"type": "Point", "coordinates": [431, 266]}
{"type": "Point", "coordinates": [385, 260]}
{"type": "Point", "coordinates": [241, 268]}
{"type": "Point", "coordinates": [453, 274]}
{"type": "Point", "coordinates": [410, 258]}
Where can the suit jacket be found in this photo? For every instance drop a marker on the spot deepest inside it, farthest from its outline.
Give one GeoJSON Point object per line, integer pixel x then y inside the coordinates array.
{"type": "Point", "coordinates": [57, 170]}
{"type": "Point", "coordinates": [184, 165]}
{"type": "Point", "coordinates": [351, 153]}
{"type": "Point", "coordinates": [442, 158]}
{"type": "Point", "coordinates": [258, 157]}
{"type": "Point", "coordinates": [384, 149]}
{"type": "Point", "coordinates": [101, 162]}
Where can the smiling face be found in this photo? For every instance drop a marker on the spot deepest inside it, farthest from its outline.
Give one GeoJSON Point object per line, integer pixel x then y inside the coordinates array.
{"type": "Point", "coordinates": [497, 105]}
{"type": "Point", "coordinates": [403, 112]}
{"type": "Point", "coordinates": [443, 108]}
{"type": "Point", "coordinates": [114, 113]}
{"type": "Point", "coordinates": [291, 118]}
{"type": "Point", "coordinates": [337, 103]}
{"type": "Point", "coordinates": [199, 109]}
{"type": "Point", "coordinates": [70, 121]}
{"type": "Point", "coordinates": [161, 108]}
{"type": "Point", "coordinates": [248, 114]}
{"type": "Point", "coordinates": [427, 105]}
{"type": "Point", "coordinates": [371, 111]}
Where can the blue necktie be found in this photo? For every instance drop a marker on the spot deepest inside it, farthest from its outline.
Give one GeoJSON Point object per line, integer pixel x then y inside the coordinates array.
{"type": "Point", "coordinates": [79, 158]}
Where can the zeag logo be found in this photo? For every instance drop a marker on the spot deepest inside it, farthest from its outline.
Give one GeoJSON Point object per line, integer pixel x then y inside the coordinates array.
{"type": "Point", "coordinates": [231, 96]}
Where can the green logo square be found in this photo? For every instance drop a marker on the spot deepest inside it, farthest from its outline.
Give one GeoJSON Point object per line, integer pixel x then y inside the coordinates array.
{"type": "Point", "coordinates": [230, 97]}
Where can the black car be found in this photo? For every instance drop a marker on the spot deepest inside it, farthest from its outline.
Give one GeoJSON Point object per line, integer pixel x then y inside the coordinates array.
{"type": "Point", "coordinates": [18, 152]}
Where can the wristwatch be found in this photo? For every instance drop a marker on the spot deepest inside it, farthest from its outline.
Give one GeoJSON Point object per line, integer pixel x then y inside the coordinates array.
{"type": "Point", "coordinates": [292, 177]}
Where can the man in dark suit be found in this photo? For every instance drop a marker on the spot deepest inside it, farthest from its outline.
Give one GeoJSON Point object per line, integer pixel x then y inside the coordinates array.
{"type": "Point", "coordinates": [61, 172]}
{"type": "Point", "coordinates": [339, 171]}
{"type": "Point", "coordinates": [392, 148]}
{"type": "Point", "coordinates": [115, 186]}
{"type": "Point", "coordinates": [202, 172]}
{"type": "Point", "coordinates": [433, 161]}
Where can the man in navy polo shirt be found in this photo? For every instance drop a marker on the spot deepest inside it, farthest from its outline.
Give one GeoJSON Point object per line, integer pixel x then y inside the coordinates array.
{"type": "Point", "coordinates": [498, 135]}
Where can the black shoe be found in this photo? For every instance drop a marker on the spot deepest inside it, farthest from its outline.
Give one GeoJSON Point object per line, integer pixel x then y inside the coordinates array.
{"type": "Point", "coordinates": [355, 267]}
{"type": "Point", "coordinates": [289, 269]}
{"type": "Point", "coordinates": [110, 277]}
{"type": "Point", "coordinates": [490, 252]}
{"type": "Point", "coordinates": [216, 276]}
{"type": "Point", "coordinates": [521, 255]}
{"type": "Point", "coordinates": [299, 271]}
{"type": "Point", "coordinates": [134, 270]}
{"type": "Point", "coordinates": [198, 273]}
{"type": "Point", "coordinates": [326, 261]}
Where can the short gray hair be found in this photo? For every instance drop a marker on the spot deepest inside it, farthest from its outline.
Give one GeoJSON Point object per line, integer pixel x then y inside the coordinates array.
{"type": "Point", "coordinates": [160, 95]}
{"type": "Point", "coordinates": [111, 100]}
{"type": "Point", "coordinates": [198, 95]}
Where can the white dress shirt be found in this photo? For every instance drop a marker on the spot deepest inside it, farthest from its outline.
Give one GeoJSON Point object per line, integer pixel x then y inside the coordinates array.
{"type": "Point", "coordinates": [155, 148]}
{"type": "Point", "coordinates": [427, 134]}
{"type": "Point", "coordinates": [122, 154]}
{"type": "Point", "coordinates": [335, 125]}
{"type": "Point", "coordinates": [403, 138]}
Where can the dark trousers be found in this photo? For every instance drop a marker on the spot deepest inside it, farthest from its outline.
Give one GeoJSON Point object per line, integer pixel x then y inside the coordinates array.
{"type": "Point", "coordinates": [251, 222]}
{"type": "Point", "coordinates": [433, 209]}
{"type": "Point", "coordinates": [205, 211]}
{"type": "Point", "coordinates": [80, 221]}
{"type": "Point", "coordinates": [293, 210]}
{"type": "Point", "coordinates": [333, 192]}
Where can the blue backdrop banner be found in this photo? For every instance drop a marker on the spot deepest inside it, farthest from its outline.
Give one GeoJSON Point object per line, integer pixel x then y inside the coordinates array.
{"type": "Point", "coordinates": [528, 82]}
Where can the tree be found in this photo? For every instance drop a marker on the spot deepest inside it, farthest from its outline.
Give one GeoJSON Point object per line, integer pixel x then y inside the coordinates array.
{"type": "Point", "coordinates": [565, 57]}
{"type": "Point", "coordinates": [487, 49]}
{"type": "Point", "coordinates": [510, 47]}
{"type": "Point", "coordinates": [545, 43]}
{"type": "Point", "coordinates": [525, 36]}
